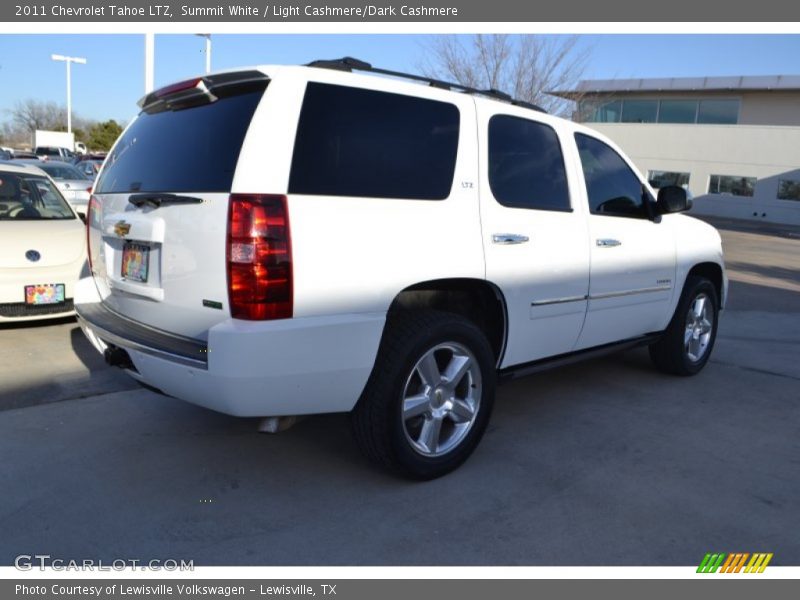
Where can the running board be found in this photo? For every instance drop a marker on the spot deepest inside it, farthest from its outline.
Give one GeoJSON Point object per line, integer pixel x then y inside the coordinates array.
{"type": "Point", "coordinates": [553, 362]}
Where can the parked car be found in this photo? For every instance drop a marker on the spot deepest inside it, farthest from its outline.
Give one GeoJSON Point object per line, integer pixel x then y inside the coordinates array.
{"type": "Point", "coordinates": [89, 156]}
{"type": "Point", "coordinates": [90, 168]}
{"type": "Point", "coordinates": [42, 247]}
{"type": "Point", "coordinates": [74, 185]}
{"type": "Point", "coordinates": [340, 242]}
{"type": "Point", "coordinates": [54, 152]}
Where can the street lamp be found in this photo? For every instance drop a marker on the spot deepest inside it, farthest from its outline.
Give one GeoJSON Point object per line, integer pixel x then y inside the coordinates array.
{"type": "Point", "coordinates": [69, 60]}
{"type": "Point", "coordinates": [149, 61]}
{"type": "Point", "coordinates": [208, 49]}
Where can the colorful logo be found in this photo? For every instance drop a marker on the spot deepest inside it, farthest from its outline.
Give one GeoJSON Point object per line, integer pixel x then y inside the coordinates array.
{"type": "Point", "coordinates": [735, 563]}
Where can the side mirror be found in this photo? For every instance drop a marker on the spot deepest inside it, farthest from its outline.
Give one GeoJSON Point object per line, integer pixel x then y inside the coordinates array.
{"type": "Point", "coordinates": [672, 199]}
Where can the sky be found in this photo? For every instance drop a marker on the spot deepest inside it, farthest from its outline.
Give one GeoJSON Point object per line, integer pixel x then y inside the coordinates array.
{"type": "Point", "coordinates": [111, 82]}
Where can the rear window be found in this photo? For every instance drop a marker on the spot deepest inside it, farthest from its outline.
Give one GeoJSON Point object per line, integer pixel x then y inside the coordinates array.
{"type": "Point", "coordinates": [356, 142]}
{"type": "Point", "coordinates": [190, 150]}
{"type": "Point", "coordinates": [62, 171]}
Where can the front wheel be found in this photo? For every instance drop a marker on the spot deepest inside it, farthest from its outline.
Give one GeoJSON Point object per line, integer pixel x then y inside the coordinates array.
{"type": "Point", "coordinates": [689, 338]}
{"type": "Point", "coordinates": [429, 397]}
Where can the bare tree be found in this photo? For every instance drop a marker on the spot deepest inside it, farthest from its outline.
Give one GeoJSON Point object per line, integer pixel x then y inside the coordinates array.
{"type": "Point", "coordinates": [525, 66]}
{"type": "Point", "coordinates": [32, 115]}
{"type": "Point", "coordinates": [12, 134]}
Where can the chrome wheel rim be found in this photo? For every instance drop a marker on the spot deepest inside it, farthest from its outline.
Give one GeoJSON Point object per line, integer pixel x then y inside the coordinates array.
{"type": "Point", "coordinates": [699, 326]}
{"type": "Point", "coordinates": [441, 399]}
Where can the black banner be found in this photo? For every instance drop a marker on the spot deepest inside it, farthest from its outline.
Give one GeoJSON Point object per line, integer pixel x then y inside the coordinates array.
{"type": "Point", "coordinates": [410, 11]}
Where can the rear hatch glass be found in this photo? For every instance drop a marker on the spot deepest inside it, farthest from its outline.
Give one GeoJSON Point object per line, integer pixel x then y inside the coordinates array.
{"type": "Point", "coordinates": [189, 150]}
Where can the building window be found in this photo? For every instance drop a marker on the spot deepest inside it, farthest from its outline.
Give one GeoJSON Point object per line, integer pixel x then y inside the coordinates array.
{"type": "Point", "coordinates": [659, 179]}
{"type": "Point", "coordinates": [732, 185]}
{"type": "Point", "coordinates": [677, 111]}
{"type": "Point", "coordinates": [639, 111]}
{"type": "Point", "coordinates": [719, 112]}
{"type": "Point", "coordinates": [788, 189]}
{"type": "Point", "coordinates": [607, 112]}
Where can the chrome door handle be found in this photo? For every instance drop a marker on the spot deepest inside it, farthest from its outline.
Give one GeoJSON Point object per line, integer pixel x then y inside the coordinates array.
{"type": "Point", "coordinates": [608, 243]}
{"type": "Point", "coordinates": [506, 239]}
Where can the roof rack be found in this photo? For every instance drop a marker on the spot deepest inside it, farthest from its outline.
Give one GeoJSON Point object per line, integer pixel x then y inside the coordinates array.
{"type": "Point", "coordinates": [351, 64]}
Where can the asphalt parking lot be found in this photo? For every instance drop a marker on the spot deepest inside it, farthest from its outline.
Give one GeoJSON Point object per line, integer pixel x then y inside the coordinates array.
{"type": "Point", "coordinates": [602, 463]}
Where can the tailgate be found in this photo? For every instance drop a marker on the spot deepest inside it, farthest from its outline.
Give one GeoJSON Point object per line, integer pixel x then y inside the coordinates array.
{"type": "Point", "coordinates": [158, 220]}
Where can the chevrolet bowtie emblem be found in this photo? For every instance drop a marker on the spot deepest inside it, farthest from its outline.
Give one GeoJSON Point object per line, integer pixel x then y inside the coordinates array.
{"type": "Point", "coordinates": [121, 228]}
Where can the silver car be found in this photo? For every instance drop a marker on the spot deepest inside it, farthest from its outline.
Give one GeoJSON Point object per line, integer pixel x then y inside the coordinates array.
{"type": "Point", "coordinates": [74, 185]}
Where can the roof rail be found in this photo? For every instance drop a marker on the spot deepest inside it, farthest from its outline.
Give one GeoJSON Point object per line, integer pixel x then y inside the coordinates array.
{"type": "Point", "coordinates": [350, 64]}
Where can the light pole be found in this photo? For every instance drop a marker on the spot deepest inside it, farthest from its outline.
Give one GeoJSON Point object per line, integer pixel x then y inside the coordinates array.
{"type": "Point", "coordinates": [149, 61]}
{"type": "Point", "coordinates": [208, 49]}
{"type": "Point", "coordinates": [69, 60]}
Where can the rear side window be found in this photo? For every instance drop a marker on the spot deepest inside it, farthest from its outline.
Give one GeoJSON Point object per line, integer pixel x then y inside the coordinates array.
{"type": "Point", "coordinates": [526, 166]}
{"type": "Point", "coordinates": [612, 186]}
{"type": "Point", "coordinates": [356, 142]}
{"type": "Point", "coordinates": [191, 150]}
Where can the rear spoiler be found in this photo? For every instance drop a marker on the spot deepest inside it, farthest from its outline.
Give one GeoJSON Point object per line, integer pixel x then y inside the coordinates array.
{"type": "Point", "coordinates": [202, 90]}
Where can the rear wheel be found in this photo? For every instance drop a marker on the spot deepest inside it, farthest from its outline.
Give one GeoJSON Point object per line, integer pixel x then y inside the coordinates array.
{"type": "Point", "coordinates": [689, 338]}
{"type": "Point", "coordinates": [429, 397]}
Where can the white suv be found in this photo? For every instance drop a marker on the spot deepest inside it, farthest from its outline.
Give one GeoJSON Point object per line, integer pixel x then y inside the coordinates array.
{"type": "Point", "coordinates": [293, 240]}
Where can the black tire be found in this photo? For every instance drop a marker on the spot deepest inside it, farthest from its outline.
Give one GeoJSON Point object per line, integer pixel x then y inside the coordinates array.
{"type": "Point", "coordinates": [379, 424]}
{"type": "Point", "coordinates": [670, 353]}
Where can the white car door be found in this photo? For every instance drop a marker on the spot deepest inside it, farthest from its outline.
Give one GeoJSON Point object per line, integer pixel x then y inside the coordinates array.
{"type": "Point", "coordinates": [632, 255]}
{"type": "Point", "coordinates": [534, 234]}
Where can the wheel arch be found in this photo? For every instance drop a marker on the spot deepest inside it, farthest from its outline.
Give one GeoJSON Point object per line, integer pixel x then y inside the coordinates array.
{"type": "Point", "coordinates": [478, 300]}
{"type": "Point", "coordinates": [713, 272]}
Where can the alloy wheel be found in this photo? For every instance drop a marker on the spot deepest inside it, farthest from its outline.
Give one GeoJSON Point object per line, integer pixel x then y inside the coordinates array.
{"type": "Point", "coordinates": [699, 327]}
{"type": "Point", "coordinates": [441, 399]}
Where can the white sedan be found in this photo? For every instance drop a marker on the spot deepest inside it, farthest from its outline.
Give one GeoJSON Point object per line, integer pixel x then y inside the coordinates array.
{"type": "Point", "coordinates": [42, 247]}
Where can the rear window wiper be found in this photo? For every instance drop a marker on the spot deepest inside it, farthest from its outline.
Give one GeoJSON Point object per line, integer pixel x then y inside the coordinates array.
{"type": "Point", "coordinates": [156, 200]}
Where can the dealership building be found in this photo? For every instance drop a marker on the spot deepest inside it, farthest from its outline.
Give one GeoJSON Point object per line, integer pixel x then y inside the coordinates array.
{"type": "Point", "coordinates": [734, 142]}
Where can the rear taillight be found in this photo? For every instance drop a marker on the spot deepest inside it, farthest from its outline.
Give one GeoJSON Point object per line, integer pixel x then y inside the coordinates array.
{"type": "Point", "coordinates": [259, 257]}
{"type": "Point", "coordinates": [92, 215]}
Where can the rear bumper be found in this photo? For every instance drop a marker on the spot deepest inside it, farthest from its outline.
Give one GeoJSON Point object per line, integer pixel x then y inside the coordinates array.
{"type": "Point", "coordinates": [249, 369]}
{"type": "Point", "coordinates": [115, 329]}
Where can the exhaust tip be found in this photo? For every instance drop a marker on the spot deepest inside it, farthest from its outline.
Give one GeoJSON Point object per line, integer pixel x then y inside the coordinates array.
{"type": "Point", "coordinates": [117, 357]}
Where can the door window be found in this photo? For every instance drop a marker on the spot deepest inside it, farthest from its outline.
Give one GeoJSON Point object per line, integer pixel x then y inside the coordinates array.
{"type": "Point", "coordinates": [611, 185]}
{"type": "Point", "coordinates": [526, 166]}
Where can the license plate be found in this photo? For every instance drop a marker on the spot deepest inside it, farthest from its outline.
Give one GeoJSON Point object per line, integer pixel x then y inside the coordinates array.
{"type": "Point", "coordinates": [135, 262]}
{"type": "Point", "coordinates": [46, 293]}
